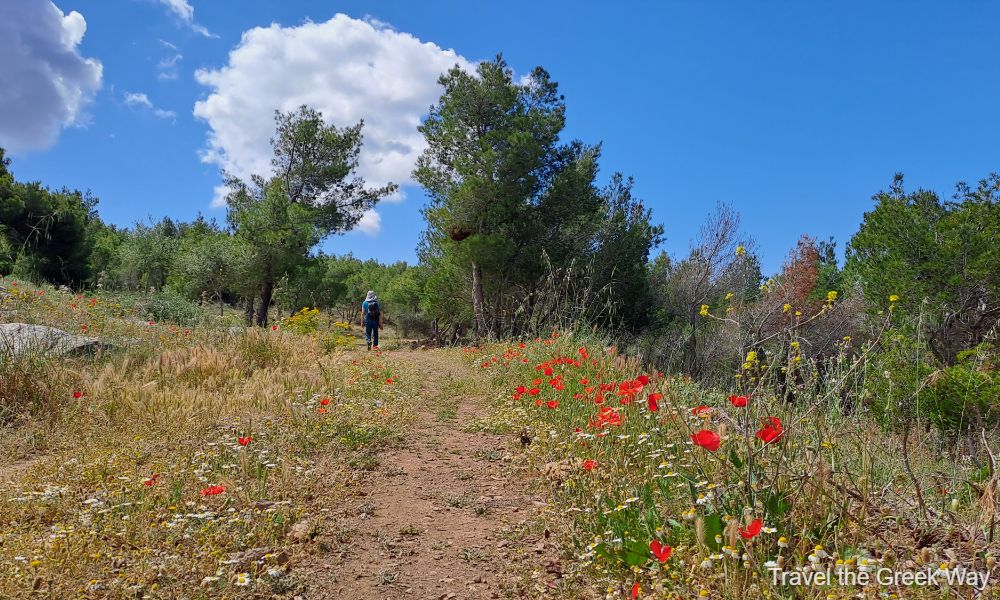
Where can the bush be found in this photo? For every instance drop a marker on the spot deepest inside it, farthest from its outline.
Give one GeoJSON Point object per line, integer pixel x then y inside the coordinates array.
{"type": "Point", "coordinates": [303, 322]}
{"type": "Point", "coordinates": [171, 307]}
{"type": "Point", "coordinates": [966, 395]}
{"type": "Point", "coordinates": [893, 378]}
{"type": "Point", "coordinates": [414, 325]}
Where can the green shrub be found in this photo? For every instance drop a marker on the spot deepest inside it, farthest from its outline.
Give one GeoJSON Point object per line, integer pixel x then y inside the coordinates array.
{"type": "Point", "coordinates": [965, 395]}
{"type": "Point", "coordinates": [893, 378]}
{"type": "Point", "coordinates": [170, 307]}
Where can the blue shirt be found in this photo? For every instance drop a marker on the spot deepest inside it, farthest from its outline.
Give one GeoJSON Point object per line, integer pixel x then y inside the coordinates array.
{"type": "Point", "coordinates": [364, 309]}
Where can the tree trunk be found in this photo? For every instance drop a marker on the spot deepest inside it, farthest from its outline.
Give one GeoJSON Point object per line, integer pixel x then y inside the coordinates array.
{"type": "Point", "coordinates": [266, 291]}
{"type": "Point", "coordinates": [221, 305]}
{"type": "Point", "coordinates": [249, 312]}
{"type": "Point", "coordinates": [477, 300]}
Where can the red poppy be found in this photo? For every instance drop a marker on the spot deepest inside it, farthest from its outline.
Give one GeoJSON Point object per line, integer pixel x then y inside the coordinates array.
{"type": "Point", "coordinates": [630, 388]}
{"type": "Point", "coordinates": [213, 490]}
{"type": "Point", "coordinates": [636, 590]}
{"type": "Point", "coordinates": [152, 480]}
{"type": "Point", "coordinates": [738, 401]}
{"type": "Point", "coordinates": [772, 430]}
{"type": "Point", "coordinates": [274, 327]}
{"type": "Point", "coordinates": [605, 417]}
{"type": "Point", "coordinates": [152, 322]}
{"type": "Point", "coordinates": [654, 401]}
{"type": "Point", "coordinates": [709, 440]}
{"type": "Point", "coordinates": [584, 381]}
{"type": "Point", "coordinates": [589, 464]}
{"type": "Point", "coordinates": [702, 410]}
{"type": "Point", "coordinates": [547, 371]}
{"type": "Point", "coordinates": [660, 551]}
{"type": "Point", "coordinates": [321, 410]}
{"type": "Point", "coordinates": [325, 401]}
{"type": "Point", "coordinates": [534, 391]}
{"type": "Point", "coordinates": [244, 441]}
{"type": "Point", "coordinates": [583, 353]}
{"type": "Point", "coordinates": [78, 395]}
{"type": "Point", "coordinates": [552, 404]}
{"type": "Point", "coordinates": [643, 379]}
{"type": "Point", "coordinates": [752, 530]}
{"type": "Point", "coordinates": [521, 389]}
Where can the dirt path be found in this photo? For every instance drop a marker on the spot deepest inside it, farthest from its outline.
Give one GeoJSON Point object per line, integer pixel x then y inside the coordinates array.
{"type": "Point", "coordinates": [432, 521]}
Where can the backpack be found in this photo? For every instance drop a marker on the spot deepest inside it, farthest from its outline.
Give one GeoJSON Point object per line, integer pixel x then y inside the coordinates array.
{"type": "Point", "coordinates": [374, 311]}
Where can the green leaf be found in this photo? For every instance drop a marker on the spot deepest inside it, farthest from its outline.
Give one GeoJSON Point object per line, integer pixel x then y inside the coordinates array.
{"type": "Point", "coordinates": [634, 553]}
{"type": "Point", "coordinates": [713, 528]}
{"type": "Point", "coordinates": [735, 459]}
{"type": "Point", "coordinates": [777, 505]}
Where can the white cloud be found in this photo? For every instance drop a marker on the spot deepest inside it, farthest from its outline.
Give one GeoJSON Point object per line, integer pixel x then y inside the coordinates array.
{"type": "Point", "coordinates": [370, 223]}
{"type": "Point", "coordinates": [140, 100]}
{"type": "Point", "coordinates": [45, 84]}
{"type": "Point", "coordinates": [348, 69]}
{"type": "Point", "coordinates": [166, 69]}
{"type": "Point", "coordinates": [219, 193]}
{"type": "Point", "coordinates": [183, 10]}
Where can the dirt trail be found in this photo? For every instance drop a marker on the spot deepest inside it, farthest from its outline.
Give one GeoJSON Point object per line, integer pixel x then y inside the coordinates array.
{"type": "Point", "coordinates": [430, 521]}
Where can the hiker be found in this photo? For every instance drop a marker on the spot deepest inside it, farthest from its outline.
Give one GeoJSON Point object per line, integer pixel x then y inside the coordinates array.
{"type": "Point", "coordinates": [371, 319]}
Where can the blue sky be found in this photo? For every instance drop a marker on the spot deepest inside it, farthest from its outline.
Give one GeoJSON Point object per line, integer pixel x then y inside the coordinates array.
{"type": "Point", "coordinates": [793, 112]}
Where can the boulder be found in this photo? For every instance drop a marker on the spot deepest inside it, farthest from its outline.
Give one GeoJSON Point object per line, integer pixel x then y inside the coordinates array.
{"type": "Point", "coordinates": [18, 338]}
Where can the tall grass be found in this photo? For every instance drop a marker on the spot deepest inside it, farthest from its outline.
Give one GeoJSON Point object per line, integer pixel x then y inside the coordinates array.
{"type": "Point", "coordinates": [832, 489]}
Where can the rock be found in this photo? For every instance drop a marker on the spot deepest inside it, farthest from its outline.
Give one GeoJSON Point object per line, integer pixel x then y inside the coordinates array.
{"type": "Point", "coordinates": [248, 560]}
{"type": "Point", "coordinates": [302, 531]}
{"type": "Point", "coordinates": [18, 338]}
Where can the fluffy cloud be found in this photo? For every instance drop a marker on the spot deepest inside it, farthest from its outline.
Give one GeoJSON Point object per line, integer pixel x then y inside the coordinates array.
{"type": "Point", "coordinates": [139, 100]}
{"type": "Point", "coordinates": [45, 83]}
{"type": "Point", "coordinates": [349, 69]}
{"type": "Point", "coordinates": [370, 223]}
{"type": "Point", "coordinates": [183, 10]}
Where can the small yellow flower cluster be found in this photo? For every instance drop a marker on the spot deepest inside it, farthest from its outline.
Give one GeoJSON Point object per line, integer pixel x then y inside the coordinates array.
{"type": "Point", "coordinates": [304, 321]}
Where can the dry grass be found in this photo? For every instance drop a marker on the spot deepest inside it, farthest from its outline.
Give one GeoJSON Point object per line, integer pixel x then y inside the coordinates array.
{"type": "Point", "coordinates": [112, 460]}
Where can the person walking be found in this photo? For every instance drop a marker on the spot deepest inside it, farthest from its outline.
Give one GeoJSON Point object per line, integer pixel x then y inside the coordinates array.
{"type": "Point", "coordinates": [371, 319]}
